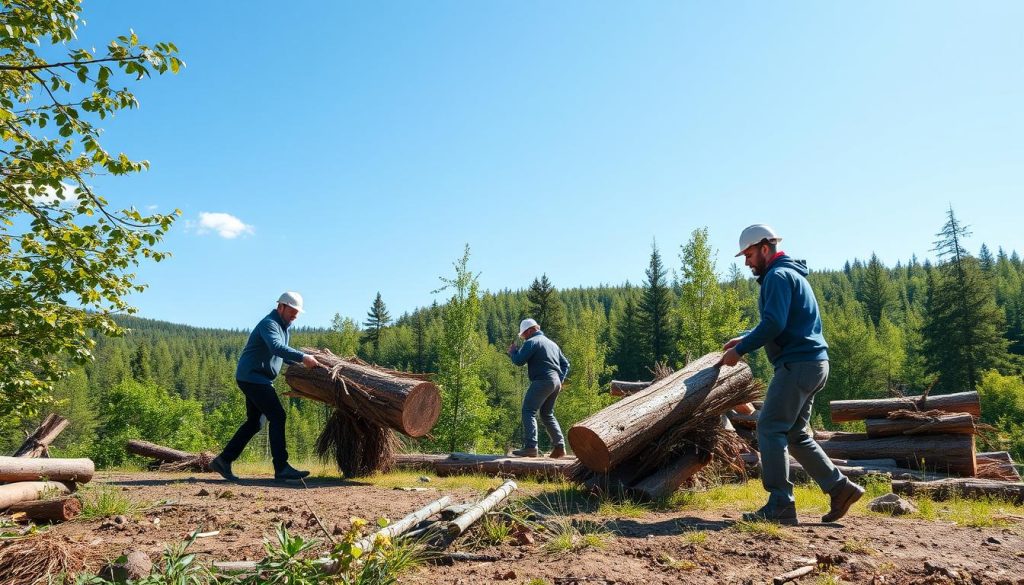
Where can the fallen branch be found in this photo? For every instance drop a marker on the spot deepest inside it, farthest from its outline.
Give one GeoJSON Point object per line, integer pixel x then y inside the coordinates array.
{"type": "Point", "coordinates": [476, 511]}
{"type": "Point", "coordinates": [38, 443]}
{"type": "Point", "coordinates": [396, 529]}
{"type": "Point", "coordinates": [793, 575]}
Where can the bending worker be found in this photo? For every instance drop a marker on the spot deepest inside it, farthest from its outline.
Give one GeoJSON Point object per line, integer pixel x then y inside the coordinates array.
{"type": "Point", "coordinates": [790, 332]}
{"type": "Point", "coordinates": [547, 367]}
{"type": "Point", "coordinates": [258, 365]}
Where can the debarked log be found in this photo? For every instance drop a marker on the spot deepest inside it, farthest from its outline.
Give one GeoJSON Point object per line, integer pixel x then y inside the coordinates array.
{"type": "Point", "coordinates": [38, 443]}
{"type": "Point", "coordinates": [23, 469]}
{"type": "Point", "coordinates": [963, 488]}
{"type": "Point", "coordinates": [619, 431]}
{"type": "Point", "coordinates": [27, 491]}
{"type": "Point", "coordinates": [405, 402]}
{"type": "Point", "coordinates": [848, 410]}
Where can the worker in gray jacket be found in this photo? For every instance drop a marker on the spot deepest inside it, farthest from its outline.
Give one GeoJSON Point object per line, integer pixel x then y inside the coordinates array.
{"type": "Point", "coordinates": [547, 367]}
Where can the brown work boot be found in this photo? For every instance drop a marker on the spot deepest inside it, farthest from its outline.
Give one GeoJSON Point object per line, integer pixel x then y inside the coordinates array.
{"type": "Point", "coordinates": [844, 495]}
{"type": "Point", "coordinates": [526, 452]}
{"type": "Point", "coordinates": [558, 452]}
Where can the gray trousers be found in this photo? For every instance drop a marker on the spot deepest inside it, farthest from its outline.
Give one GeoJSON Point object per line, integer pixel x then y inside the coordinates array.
{"type": "Point", "coordinates": [783, 423]}
{"type": "Point", "coordinates": [541, 397]}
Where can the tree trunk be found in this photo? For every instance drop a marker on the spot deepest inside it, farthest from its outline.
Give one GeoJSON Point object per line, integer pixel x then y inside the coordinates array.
{"type": "Point", "coordinates": [402, 526]}
{"type": "Point", "coordinates": [27, 491]}
{"type": "Point", "coordinates": [847, 410]}
{"type": "Point", "coordinates": [621, 388]}
{"type": "Point", "coordinates": [943, 453]}
{"type": "Point", "coordinates": [60, 510]}
{"type": "Point", "coordinates": [619, 431]}
{"type": "Point", "coordinates": [743, 421]}
{"type": "Point", "coordinates": [997, 465]}
{"type": "Point", "coordinates": [459, 463]}
{"type": "Point", "coordinates": [665, 481]}
{"type": "Point", "coordinates": [423, 461]}
{"type": "Point", "coordinates": [460, 524]}
{"type": "Point", "coordinates": [960, 487]}
{"type": "Point", "coordinates": [959, 423]}
{"type": "Point", "coordinates": [38, 443]}
{"type": "Point", "coordinates": [402, 401]}
{"type": "Point", "coordinates": [21, 469]}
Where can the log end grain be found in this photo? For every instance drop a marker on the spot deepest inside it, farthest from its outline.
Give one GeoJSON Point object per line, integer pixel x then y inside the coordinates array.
{"type": "Point", "coordinates": [422, 408]}
{"type": "Point", "coordinates": [590, 449]}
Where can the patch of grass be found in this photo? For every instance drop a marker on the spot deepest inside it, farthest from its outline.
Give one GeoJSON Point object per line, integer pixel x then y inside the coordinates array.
{"type": "Point", "coordinates": [625, 508]}
{"type": "Point", "coordinates": [829, 577]}
{"type": "Point", "coordinates": [107, 501]}
{"type": "Point", "coordinates": [695, 537]}
{"type": "Point", "coordinates": [677, 564]}
{"type": "Point", "coordinates": [571, 536]}
{"type": "Point", "coordinates": [537, 581]}
{"type": "Point", "coordinates": [886, 567]}
{"type": "Point", "coordinates": [495, 530]}
{"type": "Point", "coordinates": [858, 546]}
{"type": "Point", "coordinates": [769, 529]}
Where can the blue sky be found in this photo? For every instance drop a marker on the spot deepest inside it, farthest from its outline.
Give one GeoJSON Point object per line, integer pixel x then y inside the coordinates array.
{"type": "Point", "coordinates": [345, 149]}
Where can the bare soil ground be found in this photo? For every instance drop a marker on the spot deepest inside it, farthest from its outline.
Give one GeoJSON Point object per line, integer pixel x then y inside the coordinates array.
{"type": "Point", "coordinates": [657, 547]}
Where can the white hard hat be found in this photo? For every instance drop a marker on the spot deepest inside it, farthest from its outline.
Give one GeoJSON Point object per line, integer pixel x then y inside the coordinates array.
{"type": "Point", "coordinates": [754, 234]}
{"type": "Point", "coordinates": [526, 324]}
{"type": "Point", "coordinates": [292, 299]}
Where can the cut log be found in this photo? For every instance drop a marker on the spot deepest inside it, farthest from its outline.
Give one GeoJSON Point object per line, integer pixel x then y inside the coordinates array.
{"type": "Point", "coordinates": [38, 443]}
{"type": "Point", "coordinates": [621, 388]}
{"type": "Point", "coordinates": [665, 481]}
{"type": "Point", "coordinates": [27, 491]}
{"type": "Point", "coordinates": [544, 467]}
{"type": "Point", "coordinates": [171, 459]}
{"type": "Point", "coordinates": [619, 431]}
{"type": "Point", "coordinates": [59, 510]}
{"type": "Point", "coordinates": [423, 461]}
{"type": "Point", "coordinates": [958, 423]}
{"type": "Point", "coordinates": [847, 410]}
{"type": "Point", "coordinates": [853, 469]}
{"type": "Point", "coordinates": [405, 402]}
{"type": "Point", "coordinates": [953, 454]}
{"type": "Point", "coordinates": [22, 469]}
{"type": "Point", "coordinates": [398, 528]}
{"type": "Point", "coordinates": [743, 421]}
{"type": "Point", "coordinates": [475, 512]}
{"type": "Point", "coordinates": [962, 487]}
{"type": "Point", "coordinates": [997, 465]}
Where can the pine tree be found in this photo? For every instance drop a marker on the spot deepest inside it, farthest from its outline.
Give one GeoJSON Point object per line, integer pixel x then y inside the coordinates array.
{"type": "Point", "coordinates": [655, 312]}
{"type": "Point", "coordinates": [964, 327]}
{"type": "Point", "coordinates": [628, 356]}
{"type": "Point", "coordinates": [376, 320]}
{"type": "Point", "coordinates": [707, 316]}
{"type": "Point", "coordinates": [986, 260]}
{"type": "Point", "coordinates": [876, 290]}
{"type": "Point", "coordinates": [546, 307]}
{"type": "Point", "coordinates": [140, 363]}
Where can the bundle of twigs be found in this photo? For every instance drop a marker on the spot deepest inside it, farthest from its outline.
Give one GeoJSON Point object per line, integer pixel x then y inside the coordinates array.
{"type": "Point", "coordinates": [37, 560]}
{"type": "Point", "coordinates": [358, 446]}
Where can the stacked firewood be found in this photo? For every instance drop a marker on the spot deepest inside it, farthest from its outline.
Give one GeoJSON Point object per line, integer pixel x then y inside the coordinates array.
{"type": "Point", "coordinates": [36, 487]}
{"type": "Point", "coordinates": [658, 437]}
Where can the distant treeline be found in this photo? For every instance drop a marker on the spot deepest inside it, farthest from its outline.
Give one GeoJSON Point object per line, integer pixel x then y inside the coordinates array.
{"type": "Point", "coordinates": [954, 325]}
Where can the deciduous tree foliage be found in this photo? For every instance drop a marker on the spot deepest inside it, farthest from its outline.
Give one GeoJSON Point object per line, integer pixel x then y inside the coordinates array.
{"type": "Point", "coordinates": [706, 314]}
{"type": "Point", "coordinates": [65, 254]}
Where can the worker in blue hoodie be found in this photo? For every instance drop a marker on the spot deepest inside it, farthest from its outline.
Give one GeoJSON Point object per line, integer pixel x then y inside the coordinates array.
{"type": "Point", "coordinates": [547, 367]}
{"type": "Point", "coordinates": [790, 333]}
{"type": "Point", "coordinates": [265, 351]}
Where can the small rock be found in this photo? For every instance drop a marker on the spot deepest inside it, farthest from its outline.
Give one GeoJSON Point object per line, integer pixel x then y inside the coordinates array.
{"type": "Point", "coordinates": [524, 537]}
{"type": "Point", "coordinates": [202, 492]}
{"type": "Point", "coordinates": [119, 519]}
{"type": "Point", "coordinates": [424, 479]}
{"type": "Point", "coordinates": [993, 540]}
{"type": "Point", "coordinates": [506, 576]}
{"type": "Point", "coordinates": [130, 567]}
{"type": "Point", "coordinates": [892, 504]}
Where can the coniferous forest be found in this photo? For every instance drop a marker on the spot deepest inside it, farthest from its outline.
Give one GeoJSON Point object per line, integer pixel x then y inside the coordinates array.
{"type": "Point", "coordinates": [951, 324]}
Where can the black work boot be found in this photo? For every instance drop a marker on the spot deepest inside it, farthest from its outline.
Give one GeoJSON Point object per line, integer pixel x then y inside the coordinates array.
{"type": "Point", "coordinates": [288, 472]}
{"type": "Point", "coordinates": [785, 514]}
{"type": "Point", "coordinates": [223, 468]}
{"type": "Point", "coordinates": [843, 495]}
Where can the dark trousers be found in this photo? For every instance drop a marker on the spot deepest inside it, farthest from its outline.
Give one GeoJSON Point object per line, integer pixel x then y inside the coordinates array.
{"type": "Point", "coordinates": [260, 399]}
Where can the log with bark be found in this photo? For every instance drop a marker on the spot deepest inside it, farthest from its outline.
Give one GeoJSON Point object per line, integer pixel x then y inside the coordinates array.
{"type": "Point", "coordinates": [849, 410]}
{"type": "Point", "coordinates": [666, 480]}
{"type": "Point", "coordinates": [622, 388]}
{"type": "Point", "coordinates": [854, 469]}
{"type": "Point", "coordinates": [621, 430]}
{"type": "Point", "coordinates": [170, 459]}
{"type": "Point", "coordinates": [22, 469]}
{"type": "Point", "coordinates": [38, 443]}
{"type": "Point", "coordinates": [953, 454]}
{"type": "Point", "coordinates": [538, 467]}
{"type": "Point", "coordinates": [743, 421]}
{"type": "Point", "coordinates": [997, 465]}
{"type": "Point", "coordinates": [58, 510]}
{"type": "Point", "coordinates": [935, 423]}
{"type": "Point", "coordinates": [962, 487]}
{"type": "Point", "coordinates": [27, 491]}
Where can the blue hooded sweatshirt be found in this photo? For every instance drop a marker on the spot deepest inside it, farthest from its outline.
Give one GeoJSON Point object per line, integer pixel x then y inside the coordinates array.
{"type": "Point", "coordinates": [546, 360]}
{"type": "Point", "coordinates": [265, 351]}
{"type": "Point", "coordinates": [790, 327]}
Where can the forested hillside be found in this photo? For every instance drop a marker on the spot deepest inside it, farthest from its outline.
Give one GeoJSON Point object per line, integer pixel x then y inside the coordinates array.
{"type": "Point", "coordinates": [953, 325]}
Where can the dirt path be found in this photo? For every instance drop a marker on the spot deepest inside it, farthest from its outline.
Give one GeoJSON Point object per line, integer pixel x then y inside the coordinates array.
{"type": "Point", "coordinates": [659, 547]}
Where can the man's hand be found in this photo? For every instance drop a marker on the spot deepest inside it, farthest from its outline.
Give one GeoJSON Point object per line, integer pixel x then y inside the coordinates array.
{"type": "Point", "coordinates": [731, 343]}
{"type": "Point", "coordinates": [310, 362]}
{"type": "Point", "coordinates": [731, 358]}
{"type": "Point", "coordinates": [511, 348]}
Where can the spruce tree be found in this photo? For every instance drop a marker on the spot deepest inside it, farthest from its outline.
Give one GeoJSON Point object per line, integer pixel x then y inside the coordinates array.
{"type": "Point", "coordinates": [376, 320]}
{"type": "Point", "coordinates": [546, 307]}
{"type": "Point", "coordinates": [655, 310]}
{"type": "Point", "coordinates": [628, 341]}
{"type": "Point", "coordinates": [876, 291]}
{"type": "Point", "coordinates": [964, 326]}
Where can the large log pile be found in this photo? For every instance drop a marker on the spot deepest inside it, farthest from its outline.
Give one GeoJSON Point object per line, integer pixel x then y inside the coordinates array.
{"type": "Point", "coordinates": [654, 440]}
{"type": "Point", "coordinates": [369, 403]}
{"type": "Point", "coordinates": [31, 478]}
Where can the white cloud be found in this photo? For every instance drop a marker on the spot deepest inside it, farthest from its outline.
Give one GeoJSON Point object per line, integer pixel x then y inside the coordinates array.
{"type": "Point", "coordinates": [48, 196]}
{"type": "Point", "coordinates": [224, 225]}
